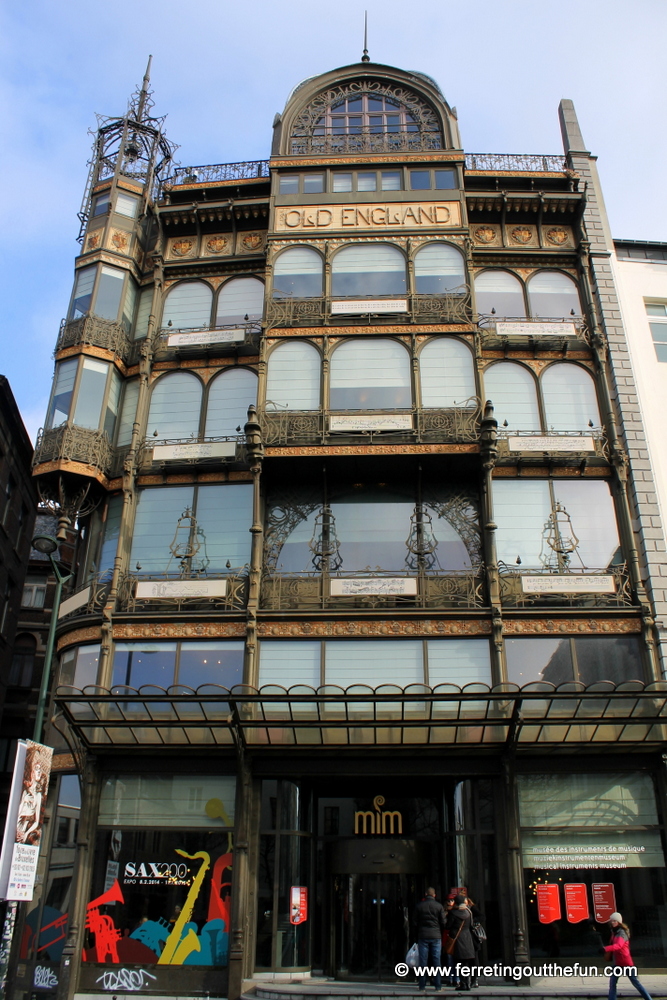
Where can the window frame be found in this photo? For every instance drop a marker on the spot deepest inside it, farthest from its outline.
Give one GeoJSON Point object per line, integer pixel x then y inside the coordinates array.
{"type": "Point", "coordinates": [541, 408]}
{"type": "Point", "coordinates": [127, 277]}
{"type": "Point", "coordinates": [203, 409]}
{"type": "Point", "coordinates": [216, 292]}
{"type": "Point", "coordinates": [656, 319]}
{"type": "Point", "coordinates": [75, 396]}
{"type": "Point", "coordinates": [524, 282]}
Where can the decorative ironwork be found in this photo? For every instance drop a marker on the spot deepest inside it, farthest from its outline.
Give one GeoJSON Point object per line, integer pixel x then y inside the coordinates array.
{"type": "Point", "coordinates": [559, 542]}
{"type": "Point", "coordinates": [97, 332]}
{"type": "Point", "coordinates": [74, 444]}
{"type": "Point", "coordinates": [235, 598]}
{"type": "Point", "coordinates": [295, 312]}
{"type": "Point", "coordinates": [185, 545]}
{"type": "Point", "coordinates": [98, 586]}
{"type": "Point", "coordinates": [283, 426]}
{"type": "Point", "coordinates": [460, 508]}
{"type": "Point", "coordinates": [516, 161]}
{"type": "Point", "coordinates": [200, 344]}
{"type": "Point", "coordinates": [421, 543]}
{"type": "Point", "coordinates": [146, 461]}
{"type": "Point", "coordinates": [513, 596]}
{"type": "Point", "coordinates": [456, 424]}
{"type": "Point", "coordinates": [491, 338]}
{"type": "Point", "coordinates": [241, 171]}
{"type": "Point", "coordinates": [453, 307]}
{"type": "Point", "coordinates": [324, 544]}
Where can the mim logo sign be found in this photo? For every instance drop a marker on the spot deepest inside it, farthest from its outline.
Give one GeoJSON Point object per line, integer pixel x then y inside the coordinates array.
{"type": "Point", "coordinates": [377, 819]}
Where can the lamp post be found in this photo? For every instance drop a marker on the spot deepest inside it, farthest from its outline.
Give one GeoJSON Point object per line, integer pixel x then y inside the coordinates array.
{"type": "Point", "coordinates": [47, 545]}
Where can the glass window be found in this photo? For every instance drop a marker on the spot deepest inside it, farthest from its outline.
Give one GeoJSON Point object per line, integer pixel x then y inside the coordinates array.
{"type": "Point", "coordinates": [79, 666]}
{"type": "Point", "coordinates": [90, 394]}
{"type": "Point", "coordinates": [189, 663]}
{"type": "Point", "coordinates": [188, 306]}
{"type": "Point", "coordinates": [129, 305]}
{"type": "Point", "coordinates": [165, 800]}
{"type": "Point", "coordinates": [500, 293]}
{"type": "Point", "coordinates": [341, 182]}
{"type": "Point", "coordinates": [289, 663]}
{"type": "Point", "coordinates": [109, 292]}
{"type": "Point", "coordinates": [136, 664]}
{"type": "Point", "coordinates": [420, 180]}
{"type": "Point", "coordinates": [128, 413]}
{"type": "Point", "coordinates": [370, 375]}
{"type": "Point", "coordinates": [570, 402]}
{"type": "Point", "coordinates": [298, 272]}
{"type": "Point", "coordinates": [313, 183]}
{"type": "Point", "coordinates": [513, 392]}
{"type": "Point", "coordinates": [101, 203]}
{"type": "Point", "coordinates": [458, 661]}
{"type": "Point", "coordinates": [374, 662]}
{"type": "Point", "coordinates": [34, 592]}
{"type": "Point", "coordinates": [289, 184]}
{"type": "Point", "coordinates": [368, 269]}
{"type": "Point", "coordinates": [447, 373]}
{"type": "Point", "coordinates": [587, 800]}
{"type": "Point", "coordinates": [608, 658]}
{"type": "Point", "coordinates": [439, 268]}
{"type": "Point", "coordinates": [158, 511]}
{"type": "Point", "coordinates": [110, 535]}
{"type": "Point", "coordinates": [367, 181]}
{"type": "Point", "coordinates": [241, 300]}
{"type": "Point", "coordinates": [229, 396]}
{"type": "Point", "coordinates": [175, 407]}
{"type": "Point", "coordinates": [391, 180]}
{"type": "Point", "coordinates": [445, 179]}
{"type": "Point", "coordinates": [143, 312]}
{"type": "Point", "coordinates": [113, 400]}
{"type": "Point", "coordinates": [83, 292]}
{"type": "Point", "coordinates": [23, 661]}
{"type": "Point", "coordinates": [658, 326]}
{"type": "Point", "coordinates": [224, 518]}
{"type": "Point", "coordinates": [63, 389]}
{"type": "Point", "coordinates": [127, 204]}
{"type": "Point", "coordinates": [294, 376]}
{"type": "Point", "coordinates": [210, 663]}
{"type": "Point", "coordinates": [372, 531]}
{"type": "Point", "coordinates": [551, 294]}
{"type": "Point", "coordinates": [531, 660]}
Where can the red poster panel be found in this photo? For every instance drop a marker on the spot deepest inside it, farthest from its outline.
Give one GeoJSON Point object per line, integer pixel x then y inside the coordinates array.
{"type": "Point", "coordinates": [576, 902]}
{"type": "Point", "coordinates": [604, 900]}
{"type": "Point", "coordinates": [298, 904]}
{"type": "Point", "coordinates": [548, 902]}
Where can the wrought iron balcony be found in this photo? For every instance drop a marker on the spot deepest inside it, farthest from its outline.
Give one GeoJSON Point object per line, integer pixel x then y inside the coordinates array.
{"type": "Point", "coordinates": [96, 332]}
{"type": "Point", "coordinates": [372, 590]}
{"type": "Point", "coordinates": [241, 338]}
{"type": "Point", "coordinates": [87, 600]}
{"type": "Point", "coordinates": [161, 594]}
{"type": "Point", "coordinates": [366, 139]}
{"type": "Point", "coordinates": [561, 446]}
{"type": "Point", "coordinates": [516, 161]}
{"type": "Point", "coordinates": [546, 588]}
{"type": "Point", "coordinates": [171, 452]}
{"type": "Point", "coordinates": [243, 170]}
{"type": "Point", "coordinates": [68, 443]}
{"type": "Point", "coordinates": [454, 307]}
{"type": "Point", "coordinates": [557, 333]}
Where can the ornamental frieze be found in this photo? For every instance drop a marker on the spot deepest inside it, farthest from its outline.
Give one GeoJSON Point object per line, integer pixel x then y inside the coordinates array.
{"type": "Point", "coordinates": [374, 449]}
{"type": "Point", "coordinates": [91, 634]}
{"type": "Point", "coordinates": [268, 629]}
{"type": "Point", "coordinates": [179, 630]}
{"type": "Point", "coordinates": [542, 472]}
{"type": "Point", "coordinates": [356, 331]}
{"type": "Point", "coordinates": [540, 626]}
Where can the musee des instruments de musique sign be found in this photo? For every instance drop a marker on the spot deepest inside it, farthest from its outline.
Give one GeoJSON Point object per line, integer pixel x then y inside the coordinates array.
{"type": "Point", "coordinates": [397, 215]}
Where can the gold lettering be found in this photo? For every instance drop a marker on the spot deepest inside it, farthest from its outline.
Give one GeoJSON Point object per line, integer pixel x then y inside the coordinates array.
{"type": "Point", "coordinates": [390, 815]}
{"type": "Point", "coordinates": [445, 214]}
{"type": "Point", "coordinates": [427, 213]}
{"type": "Point", "coordinates": [364, 216]}
{"type": "Point", "coordinates": [348, 217]}
{"type": "Point", "coordinates": [321, 220]}
{"type": "Point", "coordinates": [288, 221]}
{"type": "Point", "coordinates": [365, 817]}
{"type": "Point", "coordinates": [382, 220]}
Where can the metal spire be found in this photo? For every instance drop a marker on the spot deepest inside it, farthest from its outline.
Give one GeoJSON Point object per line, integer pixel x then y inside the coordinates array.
{"type": "Point", "coordinates": [365, 57]}
{"type": "Point", "coordinates": [143, 94]}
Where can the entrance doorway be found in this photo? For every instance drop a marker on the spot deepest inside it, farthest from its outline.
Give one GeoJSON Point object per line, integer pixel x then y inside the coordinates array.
{"type": "Point", "coordinates": [373, 914]}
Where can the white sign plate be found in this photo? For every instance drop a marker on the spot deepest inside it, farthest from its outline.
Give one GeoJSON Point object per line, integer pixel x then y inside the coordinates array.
{"type": "Point", "coordinates": [206, 337]}
{"type": "Point", "coordinates": [370, 306]}
{"type": "Point", "coordinates": [380, 422]}
{"type": "Point", "coordinates": [568, 585]}
{"type": "Point", "coordinates": [216, 449]}
{"type": "Point", "coordinates": [536, 329]}
{"type": "Point", "coordinates": [373, 585]}
{"type": "Point", "coordinates": [551, 443]}
{"type": "Point", "coordinates": [164, 589]}
{"type": "Point", "coordinates": [74, 602]}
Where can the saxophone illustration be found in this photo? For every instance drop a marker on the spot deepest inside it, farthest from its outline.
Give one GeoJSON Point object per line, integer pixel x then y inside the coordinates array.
{"type": "Point", "coordinates": [176, 951]}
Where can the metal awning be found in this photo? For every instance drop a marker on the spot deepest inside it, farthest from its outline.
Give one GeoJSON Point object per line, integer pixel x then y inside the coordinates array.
{"type": "Point", "coordinates": [538, 716]}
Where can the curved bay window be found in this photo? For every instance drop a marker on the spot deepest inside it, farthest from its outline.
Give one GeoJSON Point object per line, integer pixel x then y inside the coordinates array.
{"type": "Point", "coordinates": [180, 408]}
{"type": "Point", "coordinates": [86, 393]}
{"type": "Point", "coordinates": [191, 305]}
{"type": "Point", "coordinates": [546, 295]}
{"type": "Point", "coordinates": [439, 268]}
{"type": "Point", "coordinates": [298, 273]}
{"type": "Point", "coordinates": [367, 270]}
{"type": "Point", "coordinates": [370, 375]}
{"type": "Point", "coordinates": [562, 400]}
{"type": "Point", "coordinates": [293, 378]}
{"type": "Point", "coordinates": [107, 292]}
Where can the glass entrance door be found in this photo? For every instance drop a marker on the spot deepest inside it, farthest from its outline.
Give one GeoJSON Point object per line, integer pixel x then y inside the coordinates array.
{"type": "Point", "coordinates": [373, 915]}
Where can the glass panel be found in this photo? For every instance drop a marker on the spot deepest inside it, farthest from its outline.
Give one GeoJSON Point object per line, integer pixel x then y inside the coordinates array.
{"type": "Point", "coordinates": [128, 413]}
{"type": "Point", "coordinates": [210, 663]}
{"type": "Point", "coordinates": [265, 905]}
{"type": "Point", "coordinates": [63, 388]}
{"type": "Point", "coordinates": [367, 181]}
{"type": "Point", "coordinates": [391, 180]}
{"type": "Point", "coordinates": [521, 510]}
{"type": "Point", "coordinates": [661, 352]}
{"type": "Point", "coordinates": [591, 509]}
{"type": "Point", "coordinates": [447, 373]}
{"type": "Point", "coordinates": [458, 661]}
{"type": "Point", "coordinates": [372, 534]}
{"type": "Point", "coordinates": [588, 800]}
{"type": "Point", "coordinates": [229, 396]}
{"type": "Point", "coordinates": [445, 179]}
{"type": "Point", "coordinates": [608, 658]}
{"type": "Point", "coordinates": [374, 662]}
{"type": "Point", "coordinates": [656, 309]}
{"type": "Point", "coordinates": [224, 516]}
{"type": "Point", "coordinates": [291, 939]}
{"type": "Point", "coordinates": [342, 182]}
{"type": "Point", "coordinates": [370, 375]}
{"type": "Point", "coordinates": [165, 800]}
{"type": "Point", "coordinates": [101, 203]}
{"type": "Point", "coordinates": [289, 663]}
{"type": "Point", "coordinates": [241, 300]}
{"type": "Point", "coordinates": [113, 399]}
{"type": "Point", "coordinates": [420, 180]}
{"type": "Point", "coordinates": [511, 388]}
{"type": "Point", "coordinates": [530, 660]}
{"type": "Point", "coordinates": [143, 313]}
{"type": "Point", "coordinates": [568, 394]}
{"type": "Point", "coordinates": [129, 305]}
{"type": "Point", "coordinates": [294, 376]}
{"type": "Point", "coordinates": [136, 664]}
{"type": "Point", "coordinates": [90, 394]}
{"type": "Point", "coordinates": [552, 294]}
{"type": "Point", "coordinates": [127, 204]}
{"type": "Point", "coordinates": [110, 536]}
{"type": "Point", "coordinates": [313, 183]}
{"type": "Point", "coordinates": [109, 292]}
{"type": "Point", "coordinates": [83, 292]}
{"type": "Point", "coordinates": [175, 407]}
{"type": "Point", "coordinates": [289, 184]}
{"type": "Point", "coordinates": [439, 268]}
{"type": "Point", "coordinates": [658, 332]}
{"type": "Point", "coordinates": [78, 667]}
{"type": "Point", "coordinates": [298, 273]}
{"type": "Point", "coordinates": [158, 511]}
{"type": "Point", "coordinates": [188, 306]}
{"type": "Point", "coordinates": [499, 292]}
{"type": "Point", "coordinates": [367, 270]}
{"type": "Point", "coordinates": [295, 552]}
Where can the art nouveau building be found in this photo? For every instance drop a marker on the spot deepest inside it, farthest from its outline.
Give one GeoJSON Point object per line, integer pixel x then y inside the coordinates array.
{"type": "Point", "coordinates": [398, 623]}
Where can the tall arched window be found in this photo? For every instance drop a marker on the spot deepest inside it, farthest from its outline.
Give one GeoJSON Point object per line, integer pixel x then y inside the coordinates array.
{"type": "Point", "coordinates": [511, 388]}
{"type": "Point", "coordinates": [368, 269]}
{"type": "Point", "coordinates": [446, 372]}
{"type": "Point", "coordinates": [229, 396]}
{"type": "Point", "coordinates": [175, 407]}
{"type": "Point", "coordinates": [241, 300]}
{"type": "Point", "coordinates": [188, 306]}
{"type": "Point", "coordinates": [370, 375]}
{"type": "Point", "coordinates": [439, 268]}
{"type": "Point", "coordinates": [500, 293]}
{"type": "Point", "coordinates": [298, 273]}
{"type": "Point", "coordinates": [551, 294]}
{"type": "Point", "coordinates": [293, 378]}
{"type": "Point", "coordinates": [570, 402]}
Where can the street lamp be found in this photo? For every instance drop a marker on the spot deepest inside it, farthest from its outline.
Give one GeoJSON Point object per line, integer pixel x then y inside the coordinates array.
{"type": "Point", "coordinates": [47, 546]}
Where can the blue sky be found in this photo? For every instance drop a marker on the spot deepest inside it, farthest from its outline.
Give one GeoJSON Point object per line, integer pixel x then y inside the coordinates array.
{"type": "Point", "coordinates": [221, 69]}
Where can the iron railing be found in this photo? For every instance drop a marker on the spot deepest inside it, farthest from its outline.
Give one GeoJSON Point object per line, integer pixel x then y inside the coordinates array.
{"type": "Point", "coordinates": [492, 337]}
{"type": "Point", "coordinates": [191, 451]}
{"type": "Point", "coordinates": [312, 591]}
{"type": "Point", "coordinates": [74, 444]}
{"type": "Point", "coordinates": [453, 307]}
{"type": "Point", "coordinates": [207, 173]}
{"type": "Point", "coordinates": [96, 332]}
{"type": "Point", "coordinates": [366, 139]}
{"type": "Point", "coordinates": [93, 597]}
{"type": "Point", "coordinates": [513, 595]}
{"type": "Point", "coordinates": [235, 598]}
{"type": "Point", "coordinates": [533, 162]}
{"type": "Point", "coordinates": [201, 339]}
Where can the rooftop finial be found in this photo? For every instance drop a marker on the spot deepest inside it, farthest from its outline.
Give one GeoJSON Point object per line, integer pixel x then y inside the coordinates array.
{"type": "Point", "coordinates": [144, 92]}
{"type": "Point", "coordinates": [365, 57]}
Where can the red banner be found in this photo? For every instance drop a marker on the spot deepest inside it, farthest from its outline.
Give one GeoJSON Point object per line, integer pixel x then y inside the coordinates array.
{"type": "Point", "coordinates": [548, 902]}
{"type": "Point", "coordinates": [576, 902]}
{"type": "Point", "coordinates": [604, 901]}
{"type": "Point", "coordinates": [298, 904]}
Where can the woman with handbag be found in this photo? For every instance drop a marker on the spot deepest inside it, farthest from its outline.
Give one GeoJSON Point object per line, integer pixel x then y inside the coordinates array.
{"type": "Point", "coordinates": [460, 943]}
{"type": "Point", "coordinates": [478, 933]}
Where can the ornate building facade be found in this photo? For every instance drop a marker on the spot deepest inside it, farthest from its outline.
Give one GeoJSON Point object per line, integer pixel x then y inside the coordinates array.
{"type": "Point", "coordinates": [368, 589]}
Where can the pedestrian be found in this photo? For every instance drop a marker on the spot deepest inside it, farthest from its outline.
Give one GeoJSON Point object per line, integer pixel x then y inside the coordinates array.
{"type": "Point", "coordinates": [477, 918]}
{"type": "Point", "coordinates": [429, 919]}
{"type": "Point", "coordinates": [619, 950]}
{"type": "Point", "coordinates": [450, 977]}
{"type": "Point", "coordinates": [459, 923]}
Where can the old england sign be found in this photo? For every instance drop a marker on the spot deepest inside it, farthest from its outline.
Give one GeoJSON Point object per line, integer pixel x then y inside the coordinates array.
{"type": "Point", "coordinates": [398, 215]}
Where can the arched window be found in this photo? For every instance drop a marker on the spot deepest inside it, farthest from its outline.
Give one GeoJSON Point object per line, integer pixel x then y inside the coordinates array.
{"type": "Point", "coordinates": [229, 396]}
{"type": "Point", "coordinates": [446, 372]}
{"type": "Point", "coordinates": [551, 294]}
{"type": "Point", "coordinates": [241, 300]}
{"type": "Point", "coordinates": [298, 273]}
{"type": "Point", "coordinates": [501, 293]}
{"type": "Point", "coordinates": [370, 375]}
{"type": "Point", "coordinates": [188, 306]}
{"type": "Point", "coordinates": [368, 269]}
{"type": "Point", "coordinates": [511, 388]}
{"type": "Point", "coordinates": [175, 407]}
{"type": "Point", "coordinates": [294, 376]}
{"type": "Point", "coordinates": [439, 268]}
{"type": "Point", "coordinates": [570, 402]}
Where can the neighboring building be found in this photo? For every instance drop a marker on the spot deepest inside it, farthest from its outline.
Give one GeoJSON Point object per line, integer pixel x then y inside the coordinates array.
{"type": "Point", "coordinates": [453, 611]}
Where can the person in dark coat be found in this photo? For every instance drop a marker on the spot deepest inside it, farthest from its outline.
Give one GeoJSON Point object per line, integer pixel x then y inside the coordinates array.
{"type": "Point", "coordinates": [459, 922]}
{"type": "Point", "coordinates": [429, 919]}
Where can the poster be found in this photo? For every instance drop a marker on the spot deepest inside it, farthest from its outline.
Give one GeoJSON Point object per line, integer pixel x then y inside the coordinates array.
{"type": "Point", "coordinates": [25, 819]}
{"type": "Point", "coordinates": [604, 901]}
{"type": "Point", "coordinates": [298, 911]}
{"type": "Point", "coordinates": [576, 902]}
{"type": "Point", "coordinates": [548, 902]}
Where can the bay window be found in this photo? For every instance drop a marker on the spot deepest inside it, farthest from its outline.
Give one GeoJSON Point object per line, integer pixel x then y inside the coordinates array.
{"type": "Point", "coordinates": [107, 292]}
{"type": "Point", "coordinates": [87, 393]}
{"type": "Point", "coordinates": [370, 375]}
{"type": "Point", "coordinates": [562, 400]}
{"type": "Point", "coordinates": [366, 270]}
{"type": "Point", "coordinates": [298, 273]}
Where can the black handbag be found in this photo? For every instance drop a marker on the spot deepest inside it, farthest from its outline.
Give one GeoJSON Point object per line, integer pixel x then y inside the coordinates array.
{"type": "Point", "coordinates": [478, 933]}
